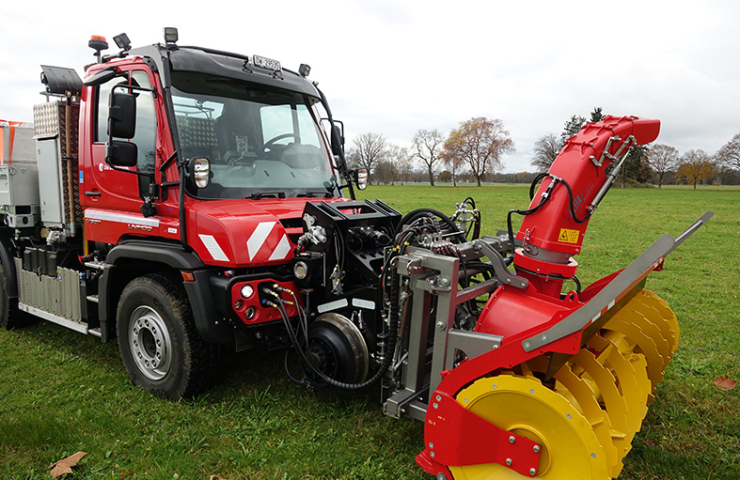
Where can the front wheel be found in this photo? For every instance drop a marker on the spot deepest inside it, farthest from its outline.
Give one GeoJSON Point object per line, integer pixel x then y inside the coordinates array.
{"type": "Point", "coordinates": [159, 344]}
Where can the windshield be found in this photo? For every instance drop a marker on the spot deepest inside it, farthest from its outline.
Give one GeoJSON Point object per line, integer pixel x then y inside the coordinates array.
{"type": "Point", "coordinates": [260, 141]}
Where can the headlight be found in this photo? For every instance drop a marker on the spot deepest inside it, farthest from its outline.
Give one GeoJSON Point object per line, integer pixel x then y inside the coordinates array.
{"type": "Point", "coordinates": [300, 270]}
{"type": "Point", "coordinates": [247, 291]}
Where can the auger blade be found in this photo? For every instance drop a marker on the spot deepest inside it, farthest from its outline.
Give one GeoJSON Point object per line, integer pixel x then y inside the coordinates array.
{"type": "Point", "coordinates": [522, 405]}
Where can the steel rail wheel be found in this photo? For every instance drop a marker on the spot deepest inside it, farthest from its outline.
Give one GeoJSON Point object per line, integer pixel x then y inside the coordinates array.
{"type": "Point", "coordinates": [522, 405]}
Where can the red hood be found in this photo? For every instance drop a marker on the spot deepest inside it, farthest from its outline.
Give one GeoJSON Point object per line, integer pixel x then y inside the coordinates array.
{"type": "Point", "coordinates": [245, 233]}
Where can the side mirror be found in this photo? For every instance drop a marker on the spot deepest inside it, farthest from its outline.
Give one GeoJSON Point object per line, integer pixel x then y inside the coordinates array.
{"type": "Point", "coordinates": [121, 115]}
{"type": "Point", "coordinates": [337, 141]}
{"type": "Point", "coordinates": [121, 154]}
{"type": "Point", "coordinates": [200, 171]}
{"type": "Point", "coordinates": [359, 176]}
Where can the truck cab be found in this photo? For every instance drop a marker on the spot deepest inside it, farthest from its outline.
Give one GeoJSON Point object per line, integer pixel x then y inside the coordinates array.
{"type": "Point", "coordinates": [185, 198]}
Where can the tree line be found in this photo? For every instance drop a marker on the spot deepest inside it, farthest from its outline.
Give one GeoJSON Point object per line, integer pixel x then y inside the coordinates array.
{"type": "Point", "coordinates": [471, 153]}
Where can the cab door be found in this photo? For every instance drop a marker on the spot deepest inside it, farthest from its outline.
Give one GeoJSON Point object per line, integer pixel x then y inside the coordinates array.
{"type": "Point", "coordinates": [117, 189]}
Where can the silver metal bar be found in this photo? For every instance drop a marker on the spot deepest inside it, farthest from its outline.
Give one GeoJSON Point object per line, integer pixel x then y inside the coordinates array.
{"type": "Point", "coordinates": [605, 299]}
{"type": "Point", "coordinates": [77, 327]}
{"type": "Point", "coordinates": [615, 171]}
{"type": "Point", "coordinates": [473, 344]}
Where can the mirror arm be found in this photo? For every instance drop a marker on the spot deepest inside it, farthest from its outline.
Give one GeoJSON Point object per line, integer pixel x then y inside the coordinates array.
{"type": "Point", "coordinates": [134, 87]}
{"type": "Point", "coordinates": [119, 169]}
{"type": "Point", "coordinates": [167, 162]}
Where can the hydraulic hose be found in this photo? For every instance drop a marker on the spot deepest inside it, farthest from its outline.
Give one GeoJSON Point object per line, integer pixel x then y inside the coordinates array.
{"type": "Point", "coordinates": [389, 341]}
{"type": "Point", "coordinates": [419, 212]}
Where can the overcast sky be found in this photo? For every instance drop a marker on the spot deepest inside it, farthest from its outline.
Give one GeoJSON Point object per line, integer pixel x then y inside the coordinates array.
{"type": "Point", "coordinates": [394, 67]}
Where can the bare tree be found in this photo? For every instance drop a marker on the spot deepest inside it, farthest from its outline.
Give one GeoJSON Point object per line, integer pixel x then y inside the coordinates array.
{"type": "Point", "coordinates": [729, 154]}
{"type": "Point", "coordinates": [663, 159]}
{"type": "Point", "coordinates": [396, 157]}
{"type": "Point", "coordinates": [369, 150]}
{"type": "Point", "coordinates": [696, 165]}
{"type": "Point", "coordinates": [453, 159]}
{"type": "Point", "coordinates": [480, 142]}
{"type": "Point", "coordinates": [546, 150]}
{"type": "Point", "coordinates": [428, 145]}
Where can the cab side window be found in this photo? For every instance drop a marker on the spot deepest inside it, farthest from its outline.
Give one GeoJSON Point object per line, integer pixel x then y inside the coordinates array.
{"type": "Point", "coordinates": [145, 134]}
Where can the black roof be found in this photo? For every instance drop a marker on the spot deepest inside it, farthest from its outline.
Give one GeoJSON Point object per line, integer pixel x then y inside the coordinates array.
{"type": "Point", "coordinates": [225, 64]}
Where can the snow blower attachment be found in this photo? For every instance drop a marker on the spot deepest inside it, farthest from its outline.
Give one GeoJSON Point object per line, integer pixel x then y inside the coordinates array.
{"type": "Point", "coordinates": [512, 376]}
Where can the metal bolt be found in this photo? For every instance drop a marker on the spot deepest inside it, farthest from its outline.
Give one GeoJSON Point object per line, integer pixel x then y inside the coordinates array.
{"type": "Point", "coordinates": [526, 344]}
{"type": "Point", "coordinates": [509, 461]}
{"type": "Point", "coordinates": [441, 476]}
{"type": "Point", "coordinates": [432, 454]}
{"type": "Point", "coordinates": [593, 455]}
{"type": "Point", "coordinates": [435, 405]}
{"type": "Point", "coordinates": [431, 445]}
{"type": "Point", "coordinates": [439, 398]}
{"type": "Point", "coordinates": [512, 439]}
{"type": "Point", "coordinates": [533, 471]}
{"type": "Point", "coordinates": [536, 449]}
{"type": "Point", "coordinates": [441, 325]}
{"type": "Point", "coordinates": [444, 281]}
{"type": "Point", "coordinates": [544, 337]}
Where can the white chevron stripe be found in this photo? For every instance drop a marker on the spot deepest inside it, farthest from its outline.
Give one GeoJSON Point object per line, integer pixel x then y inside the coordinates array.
{"type": "Point", "coordinates": [258, 237]}
{"type": "Point", "coordinates": [213, 248]}
{"type": "Point", "coordinates": [282, 250]}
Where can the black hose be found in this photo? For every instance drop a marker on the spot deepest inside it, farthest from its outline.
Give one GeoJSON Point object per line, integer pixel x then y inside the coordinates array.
{"type": "Point", "coordinates": [419, 212]}
{"type": "Point", "coordinates": [387, 352]}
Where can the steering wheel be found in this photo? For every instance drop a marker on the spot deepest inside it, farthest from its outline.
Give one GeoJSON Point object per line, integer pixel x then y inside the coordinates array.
{"type": "Point", "coordinates": [271, 141]}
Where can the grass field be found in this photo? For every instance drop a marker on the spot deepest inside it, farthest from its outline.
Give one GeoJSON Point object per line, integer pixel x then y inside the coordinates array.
{"type": "Point", "coordinates": [61, 392]}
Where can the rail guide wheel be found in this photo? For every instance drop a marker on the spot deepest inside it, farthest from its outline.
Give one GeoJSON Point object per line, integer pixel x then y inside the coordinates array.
{"type": "Point", "coordinates": [522, 405]}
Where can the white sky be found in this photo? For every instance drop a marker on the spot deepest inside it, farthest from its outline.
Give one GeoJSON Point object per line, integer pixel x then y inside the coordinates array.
{"type": "Point", "coordinates": [393, 67]}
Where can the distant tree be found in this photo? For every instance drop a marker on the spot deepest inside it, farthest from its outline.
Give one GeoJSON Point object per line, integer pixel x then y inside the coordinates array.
{"type": "Point", "coordinates": [729, 154]}
{"type": "Point", "coordinates": [572, 126]}
{"type": "Point", "coordinates": [576, 123]}
{"type": "Point", "coordinates": [395, 156]}
{"type": "Point", "coordinates": [453, 160]}
{"type": "Point", "coordinates": [384, 172]}
{"type": "Point", "coordinates": [696, 165]}
{"type": "Point", "coordinates": [663, 159]}
{"type": "Point", "coordinates": [404, 167]}
{"type": "Point", "coordinates": [369, 149]}
{"type": "Point", "coordinates": [444, 176]}
{"type": "Point", "coordinates": [596, 115]}
{"type": "Point", "coordinates": [480, 142]}
{"type": "Point", "coordinates": [428, 146]}
{"type": "Point", "coordinates": [546, 150]}
{"type": "Point", "coordinates": [636, 166]}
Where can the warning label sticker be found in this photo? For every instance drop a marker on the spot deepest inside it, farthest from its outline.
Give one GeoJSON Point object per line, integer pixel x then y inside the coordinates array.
{"type": "Point", "coordinates": [568, 236]}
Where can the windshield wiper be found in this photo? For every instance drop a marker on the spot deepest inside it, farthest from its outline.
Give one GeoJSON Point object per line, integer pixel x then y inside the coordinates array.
{"type": "Point", "coordinates": [311, 194]}
{"type": "Point", "coordinates": [261, 195]}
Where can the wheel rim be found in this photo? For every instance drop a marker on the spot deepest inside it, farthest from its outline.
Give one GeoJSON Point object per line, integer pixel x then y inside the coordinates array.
{"type": "Point", "coordinates": [150, 343]}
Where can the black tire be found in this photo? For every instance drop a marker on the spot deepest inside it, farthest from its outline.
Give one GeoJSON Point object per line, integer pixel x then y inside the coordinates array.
{"type": "Point", "coordinates": [159, 345]}
{"type": "Point", "coordinates": [10, 316]}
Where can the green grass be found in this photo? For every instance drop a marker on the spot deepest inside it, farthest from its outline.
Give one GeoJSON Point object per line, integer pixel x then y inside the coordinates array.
{"type": "Point", "coordinates": [61, 392]}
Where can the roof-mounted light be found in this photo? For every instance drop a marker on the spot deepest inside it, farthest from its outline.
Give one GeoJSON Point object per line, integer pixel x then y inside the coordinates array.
{"type": "Point", "coordinates": [170, 35]}
{"type": "Point", "coordinates": [98, 43]}
{"type": "Point", "coordinates": [123, 42]}
{"type": "Point", "coordinates": [304, 70]}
